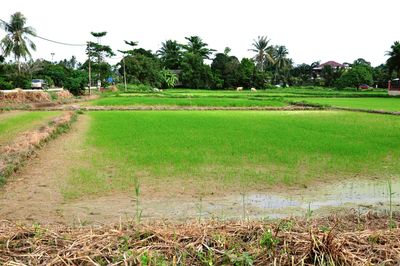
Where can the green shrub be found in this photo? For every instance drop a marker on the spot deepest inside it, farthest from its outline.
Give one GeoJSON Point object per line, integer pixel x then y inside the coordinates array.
{"type": "Point", "coordinates": [354, 77]}
{"type": "Point", "coordinates": [135, 88]}
{"type": "Point", "coordinates": [5, 85]}
{"type": "Point", "coordinates": [21, 81]}
{"type": "Point", "coordinates": [268, 240]}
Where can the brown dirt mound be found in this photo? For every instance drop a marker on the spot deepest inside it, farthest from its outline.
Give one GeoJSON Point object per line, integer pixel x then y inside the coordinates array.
{"type": "Point", "coordinates": [20, 96]}
{"type": "Point", "coordinates": [350, 240]}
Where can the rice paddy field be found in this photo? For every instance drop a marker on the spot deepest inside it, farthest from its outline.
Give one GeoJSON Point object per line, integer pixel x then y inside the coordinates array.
{"type": "Point", "coordinates": [189, 101]}
{"type": "Point", "coordinates": [274, 98]}
{"type": "Point", "coordinates": [13, 123]}
{"type": "Point", "coordinates": [203, 186]}
{"type": "Point", "coordinates": [232, 149]}
{"type": "Point", "coordinates": [379, 104]}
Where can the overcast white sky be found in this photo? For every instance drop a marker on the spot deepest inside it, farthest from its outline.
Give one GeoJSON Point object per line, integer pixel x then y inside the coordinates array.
{"type": "Point", "coordinates": [312, 30]}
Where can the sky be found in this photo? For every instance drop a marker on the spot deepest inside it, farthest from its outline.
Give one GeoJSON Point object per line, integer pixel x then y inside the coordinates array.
{"type": "Point", "coordinates": [312, 30]}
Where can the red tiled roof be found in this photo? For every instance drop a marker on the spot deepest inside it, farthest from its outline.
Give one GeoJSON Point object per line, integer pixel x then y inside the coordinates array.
{"type": "Point", "coordinates": [332, 64]}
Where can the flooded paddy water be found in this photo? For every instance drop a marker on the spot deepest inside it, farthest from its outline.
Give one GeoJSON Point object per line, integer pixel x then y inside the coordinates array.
{"type": "Point", "coordinates": [319, 200]}
{"type": "Point", "coordinates": [360, 195]}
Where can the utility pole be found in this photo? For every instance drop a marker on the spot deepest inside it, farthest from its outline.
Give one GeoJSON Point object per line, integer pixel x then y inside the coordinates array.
{"type": "Point", "coordinates": [90, 74]}
{"type": "Point", "coordinates": [123, 61]}
{"type": "Point", "coordinates": [52, 58]}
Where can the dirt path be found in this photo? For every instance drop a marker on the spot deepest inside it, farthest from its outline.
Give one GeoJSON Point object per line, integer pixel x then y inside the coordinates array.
{"type": "Point", "coordinates": [34, 194]}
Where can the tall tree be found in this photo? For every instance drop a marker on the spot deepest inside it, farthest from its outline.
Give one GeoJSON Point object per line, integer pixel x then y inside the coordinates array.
{"type": "Point", "coordinates": [282, 64]}
{"type": "Point", "coordinates": [98, 35]}
{"type": "Point", "coordinates": [393, 61]}
{"type": "Point", "coordinates": [170, 54]}
{"type": "Point", "coordinates": [263, 52]}
{"type": "Point", "coordinates": [17, 40]}
{"type": "Point", "coordinates": [96, 53]}
{"type": "Point", "coordinates": [131, 51]}
{"type": "Point", "coordinates": [196, 46]}
{"type": "Point", "coordinates": [227, 68]}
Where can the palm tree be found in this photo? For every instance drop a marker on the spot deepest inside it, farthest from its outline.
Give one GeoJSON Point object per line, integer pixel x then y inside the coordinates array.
{"type": "Point", "coordinates": [280, 57]}
{"type": "Point", "coordinates": [263, 52]}
{"type": "Point", "coordinates": [170, 54]}
{"type": "Point", "coordinates": [282, 63]}
{"type": "Point", "coordinates": [393, 61]}
{"type": "Point", "coordinates": [16, 41]}
{"type": "Point", "coordinates": [196, 46]}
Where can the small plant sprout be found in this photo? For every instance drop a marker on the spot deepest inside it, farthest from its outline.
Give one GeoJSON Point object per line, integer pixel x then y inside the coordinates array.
{"type": "Point", "coordinates": [268, 240]}
{"type": "Point", "coordinates": [309, 212]}
{"type": "Point", "coordinates": [392, 223]}
{"type": "Point", "coordinates": [199, 207]}
{"type": "Point", "coordinates": [138, 214]}
{"type": "Point", "coordinates": [243, 205]}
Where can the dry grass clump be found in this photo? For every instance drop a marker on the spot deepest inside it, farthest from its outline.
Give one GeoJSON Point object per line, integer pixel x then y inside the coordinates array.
{"type": "Point", "coordinates": [13, 155]}
{"type": "Point", "coordinates": [350, 240]}
{"type": "Point", "coordinates": [20, 96]}
{"type": "Point", "coordinates": [65, 94]}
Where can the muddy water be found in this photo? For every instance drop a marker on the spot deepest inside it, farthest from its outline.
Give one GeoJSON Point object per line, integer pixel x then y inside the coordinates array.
{"type": "Point", "coordinates": [361, 195]}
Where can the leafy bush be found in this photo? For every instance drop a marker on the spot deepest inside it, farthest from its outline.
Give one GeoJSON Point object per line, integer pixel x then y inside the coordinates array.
{"type": "Point", "coordinates": [135, 88]}
{"type": "Point", "coordinates": [169, 78]}
{"type": "Point", "coordinates": [195, 74]}
{"type": "Point", "coordinates": [76, 82]}
{"type": "Point", "coordinates": [354, 77]}
{"type": "Point", "coordinates": [21, 81]}
{"type": "Point", "coordinates": [142, 69]}
{"type": "Point", "coordinates": [5, 85]}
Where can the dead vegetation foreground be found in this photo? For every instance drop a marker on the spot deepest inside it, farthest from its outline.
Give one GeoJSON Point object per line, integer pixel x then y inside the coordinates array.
{"type": "Point", "coordinates": [347, 240]}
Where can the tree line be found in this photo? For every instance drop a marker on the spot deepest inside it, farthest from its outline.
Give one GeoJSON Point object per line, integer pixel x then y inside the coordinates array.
{"type": "Point", "coordinates": [192, 64]}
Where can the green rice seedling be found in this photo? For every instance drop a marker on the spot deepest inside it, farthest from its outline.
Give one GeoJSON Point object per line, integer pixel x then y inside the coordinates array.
{"type": "Point", "coordinates": [199, 207]}
{"type": "Point", "coordinates": [138, 214]}
{"type": "Point", "coordinates": [386, 104]}
{"type": "Point", "coordinates": [268, 240]}
{"type": "Point", "coordinates": [243, 206]}
{"type": "Point", "coordinates": [16, 123]}
{"type": "Point", "coordinates": [392, 223]}
{"type": "Point", "coordinates": [309, 212]}
{"type": "Point", "coordinates": [275, 148]}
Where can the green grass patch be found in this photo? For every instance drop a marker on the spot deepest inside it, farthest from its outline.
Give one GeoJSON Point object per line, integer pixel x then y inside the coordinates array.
{"type": "Point", "coordinates": [14, 123]}
{"type": "Point", "coordinates": [385, 104]}
{"type": "Point", "coordinates": [233, 148]}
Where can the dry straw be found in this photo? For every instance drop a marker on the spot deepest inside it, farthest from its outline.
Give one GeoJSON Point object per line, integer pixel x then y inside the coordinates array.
{"type": "Point", "coordinates": [349, 240]}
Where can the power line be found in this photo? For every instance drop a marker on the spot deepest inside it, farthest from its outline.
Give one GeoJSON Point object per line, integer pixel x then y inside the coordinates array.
{"type": "Point", "coordinates": [62, 43]}
{"type": "Point", "coordinates": [46, 39]}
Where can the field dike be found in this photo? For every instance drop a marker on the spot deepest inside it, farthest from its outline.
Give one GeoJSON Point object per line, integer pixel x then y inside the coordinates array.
{"type": "Point", "coordinates": [174, 108]}
{"type": "Point", "coordinates": [348, 240]}
{"type": "Point", "coordinates": [328, 107]}
{"type": "Point", "coordinates": [14, 155]}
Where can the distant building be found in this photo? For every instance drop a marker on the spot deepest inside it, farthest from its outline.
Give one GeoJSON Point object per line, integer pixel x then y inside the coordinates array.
{"type": "Point", "coordinates": [394, 87]}
{"type": "Point", "coordinates": [333, 64]}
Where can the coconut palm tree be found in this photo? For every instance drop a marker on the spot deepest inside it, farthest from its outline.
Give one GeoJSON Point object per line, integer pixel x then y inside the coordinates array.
{"type": "Point", "coordinates": [280, 56]}
{"type": "Point", "coordinates": [17, 40]}
{"type": "Point", "coordinates": [263, 52]}
{"type": "Point", "coordinates": [170, 54]}
{"type": "Point", "coordinates": [282, 64]}
{"type": "Point", "coordinates": [393, 61]}
{"type": "Point", "coordinates": [196, 46]}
